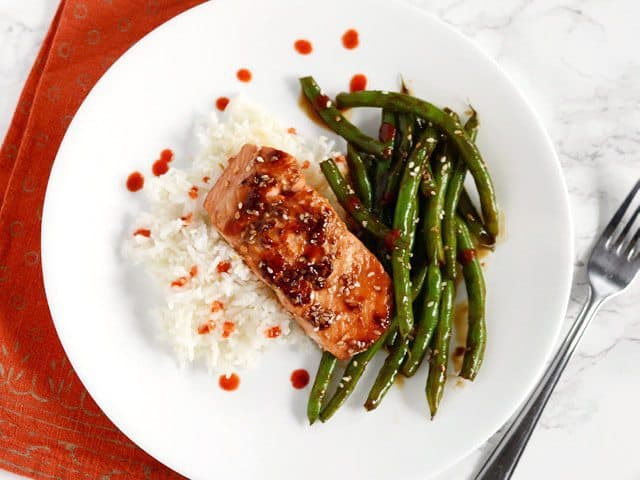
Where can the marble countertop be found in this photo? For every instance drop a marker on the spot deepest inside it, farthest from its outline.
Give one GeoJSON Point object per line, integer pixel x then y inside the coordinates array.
{"type": "Point", "coordinates": [577, 61]}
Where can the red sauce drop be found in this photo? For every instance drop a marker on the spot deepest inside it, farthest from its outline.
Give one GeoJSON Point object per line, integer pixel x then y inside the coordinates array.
{"type": "Point", "coordinates": [160, 167]}
{"type": "Point", "coordinates": [467, 256]}
{"type": "Point", "coordinates": [145, 232]}
{"type": "Point", "coordinates": [244, 75]}
{"type": "Point", "coordinates": [229, 383]}
{"type": "Point", "coordinates": [353, 203]}
{"type": "Point", "coordinates": [221, 103]}
{"type": "Point", "coordinates": [274, 332]}
{"type": "Point", "coordinates": [391, 238]}
{"type": "Point", "coordinates": [193, 193]}
{"type": "Point", "coordinates": [387, 132]}
{"type": "Point", "coordinates": [299, 378]}
{"type": "Point", "coordinates": [322, 102]}
{"type": "Point", "coordinates": [227, 329]}
{"type": "Point", "coordinates": [303, 47]}
{"type": "Point", "coordinates": [186, 220]}
{"type": "Point", "coordinates": [179, 282]}
{"type": "Point", "coordinates": [350, 39]}
{"type": "Point", "coordinates": [207, 327]}
{"type": "Point", "coordinates": [166, 155]}
{"type": "Point", "coordinates": [223, 267]}
{"type": "Point", "coordinates": [216, 306]}
{"type": "Point", "coordinates": [358, 82]}
{"type": "Point", "coordinates": [135, 182]}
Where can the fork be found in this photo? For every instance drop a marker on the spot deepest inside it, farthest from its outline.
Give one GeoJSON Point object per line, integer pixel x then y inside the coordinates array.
{"type": "Point", "coordinates": [614, 263]}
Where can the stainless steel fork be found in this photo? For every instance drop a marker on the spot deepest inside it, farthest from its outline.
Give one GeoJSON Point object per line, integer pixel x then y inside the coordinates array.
{"type": "Point", "coordinates": [614, 263]}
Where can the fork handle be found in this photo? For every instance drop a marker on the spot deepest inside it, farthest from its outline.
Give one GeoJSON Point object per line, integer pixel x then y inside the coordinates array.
{"type": "Point", "coordinates": [502, 461]}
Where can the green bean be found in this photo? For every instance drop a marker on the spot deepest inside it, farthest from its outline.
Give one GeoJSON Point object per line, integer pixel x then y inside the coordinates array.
{"type": "Point", "coordinates": [427, 321]}
{"type": "Point", "coordinates": [417, 282]}
{"type": "Point", "coordinates": [387, 374]}
{"type": "Point", "coordinates": [428, 184]}
{"type": "Point", "coordinates": [456, 184]}
{"type": "Point", "coordinates": [437, 377]}
{"type": "Point", "coordinates": [354, 206]}
{"type": "Point", "coordinates": [467, 149]}
{"type": "Point", "coordinates": [334, 119]}
{"type": "Point", "coordinates": [387, 135]}
{"type": "Point", "coordinates": [468, 211]}
{"type": "Point", "coordinates": [404, 222]}
{"type": "Point", "coordinates": [406, 124]}
{"type": "Point", "coordinates": [391, 339]}
{"type": "Point", "coordinates": [418, 276]}
{"type": "Point", "coordinates": [476, 293]}
{"type": "Point", "coordinates": [320, 385]}
{"type": "Point", "coordinates": [433, 208]}
{"type": "Point", "coordinates": [352, 373]}
{"type": "Point", "coordinates": [452, 114]}
{"type": "Point", "coordinates": [358, 173]}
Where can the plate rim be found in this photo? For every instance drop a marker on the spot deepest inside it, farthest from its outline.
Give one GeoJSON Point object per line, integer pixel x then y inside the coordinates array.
{"type": "Point", "coordinates": [565, 283]}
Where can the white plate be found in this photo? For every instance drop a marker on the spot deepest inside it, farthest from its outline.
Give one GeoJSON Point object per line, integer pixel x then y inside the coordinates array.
{"type": "Point", "coordinates": [149, 100]}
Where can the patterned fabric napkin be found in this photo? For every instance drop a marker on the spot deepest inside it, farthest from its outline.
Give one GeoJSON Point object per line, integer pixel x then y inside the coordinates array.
{"type": "Point", "coordinates": [49, 426]}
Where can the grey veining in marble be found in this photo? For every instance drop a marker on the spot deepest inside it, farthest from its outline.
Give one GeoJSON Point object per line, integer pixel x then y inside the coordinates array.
{"type": "Point", "coordinates": [578, 62]}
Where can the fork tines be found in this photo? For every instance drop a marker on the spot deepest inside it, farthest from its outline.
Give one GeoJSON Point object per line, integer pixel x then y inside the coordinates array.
{"type": "Point", "coordinates": [617, 233]}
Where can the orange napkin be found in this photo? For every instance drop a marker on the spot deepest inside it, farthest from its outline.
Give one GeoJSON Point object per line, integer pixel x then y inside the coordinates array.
{"type": "Point", "coordinates": [49, 426]}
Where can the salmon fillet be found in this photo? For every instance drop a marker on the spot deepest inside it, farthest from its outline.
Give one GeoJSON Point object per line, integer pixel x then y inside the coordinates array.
{"type": "Point", "coordinates": [293, 239]}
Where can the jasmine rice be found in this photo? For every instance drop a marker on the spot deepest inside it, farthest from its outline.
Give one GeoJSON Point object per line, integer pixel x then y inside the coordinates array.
{"type": "Point", "coordinates": [223, 319]}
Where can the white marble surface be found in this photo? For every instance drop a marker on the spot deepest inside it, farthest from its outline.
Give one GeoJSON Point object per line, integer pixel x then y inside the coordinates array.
{"type": "Point", "coordinates": [579, 64]}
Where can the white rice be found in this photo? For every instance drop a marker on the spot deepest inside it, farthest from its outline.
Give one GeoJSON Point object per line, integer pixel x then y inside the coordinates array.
{"type": "Point", "coordinates": [174, 247]}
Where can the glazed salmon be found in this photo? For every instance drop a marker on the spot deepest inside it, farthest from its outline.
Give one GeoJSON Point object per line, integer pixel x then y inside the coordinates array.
{"type": "Point", "coordinates": [292, 238]}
